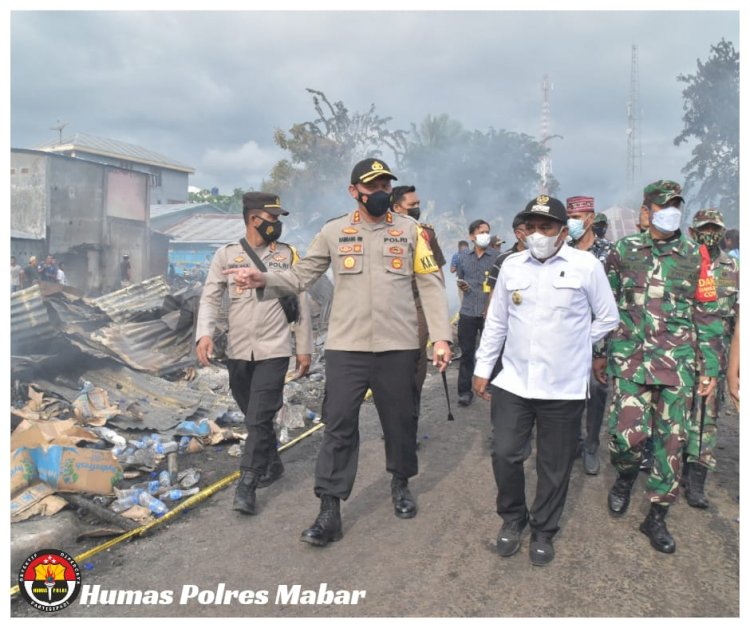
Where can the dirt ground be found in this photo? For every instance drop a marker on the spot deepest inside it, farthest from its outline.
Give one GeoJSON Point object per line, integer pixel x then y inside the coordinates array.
{"type": "Point", "coordinates": [441, 563]}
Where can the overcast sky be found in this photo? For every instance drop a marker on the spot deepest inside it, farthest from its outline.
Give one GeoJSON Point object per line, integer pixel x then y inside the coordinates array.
{"type": "Point", "coordinates": [208, 88]}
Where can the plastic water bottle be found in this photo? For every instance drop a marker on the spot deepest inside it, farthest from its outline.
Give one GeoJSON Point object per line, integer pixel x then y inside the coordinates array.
{"type": "Point", "coordinates": [128, 501]}
{"type": "Point", "coordinates": [165, 448]}
{"type": "Point", "coordinates": [155, 505]}
{"type": "Point", "coordinates": [179, 493]}
{"type": "Point", "coordinates": [164, 479]}
{"type": "Point", "coordinates": [183, 445]}
{"type": "Point", "coordinates": [110, 436]}
{"type": "Point", "coordinates": [309, 414]}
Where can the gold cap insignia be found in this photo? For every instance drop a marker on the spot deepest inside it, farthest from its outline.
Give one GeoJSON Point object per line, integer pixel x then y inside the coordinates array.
{"type": "Point", "coordinates": [376, 165]}
{"type": "Point", "coordinates": [542, 199]}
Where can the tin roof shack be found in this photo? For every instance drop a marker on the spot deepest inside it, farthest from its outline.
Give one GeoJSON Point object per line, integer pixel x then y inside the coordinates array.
{"type": "Point", "coordinates": [194, 241]}
{"type": "Point", "coordinates": [88, 213]}
{"type": "Point", "coordinates": [168, 178]}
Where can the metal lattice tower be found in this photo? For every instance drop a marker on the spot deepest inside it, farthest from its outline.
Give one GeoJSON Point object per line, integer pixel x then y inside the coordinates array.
{"type": "Point", "coordinates": [634, 159]}
{"type": "Point", "coordinates": [545, 164]}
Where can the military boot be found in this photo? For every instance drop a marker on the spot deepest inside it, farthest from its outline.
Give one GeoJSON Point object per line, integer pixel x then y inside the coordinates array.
{"type": "Point", "coordinates": [695, 485]}
{"type": "Point", "coordinates": [619, 494]}
{"type": "Point", "coordinates": [274, 470]}
{"type": "Point", "coordinates": [404, 505]}
{"type": "Point", "coordinates": [655, 528]}
{"type": "Point", "coordinates": [244, 494]}
{"type": "Point", "coordinates": [327, 526]}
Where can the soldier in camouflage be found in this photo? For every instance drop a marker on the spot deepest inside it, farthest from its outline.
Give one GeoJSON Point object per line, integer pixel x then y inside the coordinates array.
{"type": "Point", "coordinates": [581, 222]}
{"type": "Point", "coordinates": [668, 330]}
{"type": "Point", "coordinates": [708, 229]}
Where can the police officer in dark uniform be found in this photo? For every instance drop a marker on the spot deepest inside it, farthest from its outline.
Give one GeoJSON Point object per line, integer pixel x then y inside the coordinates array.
{"type": "Point", "coordinates": [259, 342]}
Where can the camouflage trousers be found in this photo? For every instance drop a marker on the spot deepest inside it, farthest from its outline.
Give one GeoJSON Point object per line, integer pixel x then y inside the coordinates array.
{"type": "Point", "coordinates": [640, 411]}
{"type": "Point", "coordinates": [714, 402]}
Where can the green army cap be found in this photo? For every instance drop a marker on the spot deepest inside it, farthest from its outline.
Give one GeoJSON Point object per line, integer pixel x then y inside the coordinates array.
{"type": "Point", "coordinates": [663, 191]}
{"type": "Point", "coordinates": [708, 217]}
{"type": "Point", "coordinates": [601, 218]}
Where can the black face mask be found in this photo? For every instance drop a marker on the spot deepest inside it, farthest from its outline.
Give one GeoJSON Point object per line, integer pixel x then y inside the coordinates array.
{"type": "Point", "coordinates": [377, 203]}
{"type": "Point", "coordinates": [599, 230]}
{"type": "Point", "coordinates": [269, 231]}
{"type": "Point", "coordinates": [414, 212]}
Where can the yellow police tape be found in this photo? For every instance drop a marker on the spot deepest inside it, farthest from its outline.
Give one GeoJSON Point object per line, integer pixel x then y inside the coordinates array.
{"type": "Point", "coordinates": [188, 503]}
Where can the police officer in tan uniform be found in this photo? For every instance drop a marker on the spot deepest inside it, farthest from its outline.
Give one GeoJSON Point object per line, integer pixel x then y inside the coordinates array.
{"type": "Point", "coordinates": [259, 339]}
{"type": "Point", "coordinates": [372, 336]}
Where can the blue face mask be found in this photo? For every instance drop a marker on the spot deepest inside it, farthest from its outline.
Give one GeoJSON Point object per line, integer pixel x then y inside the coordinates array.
{"type": "Point", "coordinates": [666, 220]}
{"type": "Point", "coordinates": [576, 228]}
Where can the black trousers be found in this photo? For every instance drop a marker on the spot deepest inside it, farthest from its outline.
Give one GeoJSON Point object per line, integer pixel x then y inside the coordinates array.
{"type": "Point", "coordinates": [595, 406]}
{"type": "Point", "coordinates": [258, 389]}
{"type": "Point", "coordinates": [556, 425]}
{"type": "Point", "coordinates": [349, 374]}
{"type": "Point", "coordinates": [469, 329]}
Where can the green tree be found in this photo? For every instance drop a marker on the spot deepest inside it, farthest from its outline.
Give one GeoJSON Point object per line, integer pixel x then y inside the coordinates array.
{"type": "Point", "coordinates": [712, 107]}
{"type": "Point", "coordinates": [229, 204]}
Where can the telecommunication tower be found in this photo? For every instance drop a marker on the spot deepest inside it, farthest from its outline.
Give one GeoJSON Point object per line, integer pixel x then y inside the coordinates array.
{"type": "Point", "coordinates": [545, 165]}
{"type": "Point", "coordinates": [634, 159]}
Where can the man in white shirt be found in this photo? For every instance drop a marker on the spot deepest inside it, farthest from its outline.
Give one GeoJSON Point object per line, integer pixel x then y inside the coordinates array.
{"type": "Point", "coordinates": [550, 304]}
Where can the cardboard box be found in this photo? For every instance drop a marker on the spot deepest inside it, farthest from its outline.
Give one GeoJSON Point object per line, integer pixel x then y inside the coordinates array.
{"type": "Point", "coordinates": [67, 469]}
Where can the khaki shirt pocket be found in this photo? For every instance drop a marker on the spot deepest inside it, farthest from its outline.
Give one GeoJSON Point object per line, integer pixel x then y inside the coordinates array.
{"type": "Point", "coordinates": [396, 258]}
{"type": "Point", "coordinates": [350, 262]}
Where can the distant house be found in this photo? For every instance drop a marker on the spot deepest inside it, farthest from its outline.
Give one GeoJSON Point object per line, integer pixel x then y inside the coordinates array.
{"type": "Point", "coordinates": [194, 241]}
{"type": "Point", "coordinates": [165, 216]}
{"type": "Point", "coordinates": [168, 179]}
{"type": "Point", "coordinates": [86, 214]}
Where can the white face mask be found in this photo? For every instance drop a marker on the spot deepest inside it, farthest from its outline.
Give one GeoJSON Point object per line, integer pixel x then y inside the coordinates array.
{"type": "Point", "coordinates": [667, 220]}
{"type": "Point", "coordinates": [483, 240]}
{"type": "Point", "coordinates": [542, 247]}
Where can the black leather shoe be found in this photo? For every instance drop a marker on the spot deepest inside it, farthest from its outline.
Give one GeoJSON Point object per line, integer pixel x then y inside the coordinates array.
{"type": "Point", "coordinates": [464, 399]}
{"type": "Point", "coordinates": [244, 494]}
{"type": "Point", "coordinates": [509, 537]}
{"type": "Point", "coordinates": [541, 550]}
{"type": "Point", "coordinates": [655, 528]}
{"type": "Point", "coordinates": [619, 494]}
{"type": "Point", "coordinates": [327, 527]}
{"type": "Point", "coordinates": [404, 505]}
{"type": "Point", "coordinates": [273, 472]}
{"type": "Point", "coordinates": [590, 462]}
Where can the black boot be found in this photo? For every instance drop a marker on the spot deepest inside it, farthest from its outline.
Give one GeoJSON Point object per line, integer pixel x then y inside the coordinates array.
{"type": "Point", "coordinates": [274, 470]}
{"type": "Point", "coordinates": [655, 528]}
{"type": "Point", "coordinates": [619, 494]}
{"type": "Point", "coordinates": [327, 526]}
{"type": "Point", "coordinates": [404, 505]}
{"type": "Point", "coordinates": [244, 495]}
{"type": "Point", "coordinates": [695, 484]}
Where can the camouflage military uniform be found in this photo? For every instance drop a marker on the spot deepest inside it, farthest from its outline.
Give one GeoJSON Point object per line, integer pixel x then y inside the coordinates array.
{"type": "Point", "coordinates": [601, 249]}
{"type": "Point", "coordinates": [725, 271]}
{"type": "Point", "coordinates": [652, 354]}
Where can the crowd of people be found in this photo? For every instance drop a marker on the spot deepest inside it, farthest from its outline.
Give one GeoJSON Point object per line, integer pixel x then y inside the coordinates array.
{"type": "Point", "coordinates": [49, 270]}
{"type": "Point", "coordinates": [548, 331]}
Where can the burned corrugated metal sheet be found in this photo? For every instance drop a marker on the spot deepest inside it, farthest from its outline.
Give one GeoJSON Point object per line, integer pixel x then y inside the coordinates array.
{"type": "Point", "coordinates": [208, 228]}
{"type": "Point", "coordinates": [130, 302]}
{"type": "Point", "coordinates": [29, 319]}
{"type": "Point", "coordinates": [146, 402]}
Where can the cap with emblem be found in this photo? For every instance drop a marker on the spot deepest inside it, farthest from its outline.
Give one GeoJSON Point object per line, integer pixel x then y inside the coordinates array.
{"type": "Point", "coordinates": [662, 191]}
{"type": "Point", "coordinates": [369, 169]}
{"type": "Point", "coordinates": [580, 204]}
{"type": "Point", "coordinates": [708, 217]}
{"type": "Point", "coordinates": [544, 205]}
{"type": "Point", "coordinates": [262, 200]}
{"type": "Point", "coordinates": [601, 219]}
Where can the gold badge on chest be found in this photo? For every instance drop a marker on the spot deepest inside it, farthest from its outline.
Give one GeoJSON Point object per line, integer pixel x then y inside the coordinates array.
{"type": "Point", "coordinates": [516, 297]}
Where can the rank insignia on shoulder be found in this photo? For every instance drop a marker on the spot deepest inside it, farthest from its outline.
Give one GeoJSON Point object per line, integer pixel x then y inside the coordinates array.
{"type": "Point", "coordinates": [239, 259]}
{"type": "Point", "coordinates": [397, 263]}
{"type": "Point", "coordinates": [516, 297]}
{"type": "Point", "coordinates": [395, 232]}
{"type": "Point", "coordinates": [349, 230]}
{"type": "Point", "coordinates": [349, 262]}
